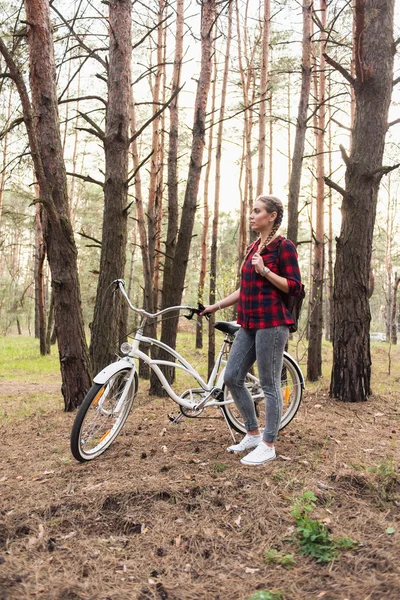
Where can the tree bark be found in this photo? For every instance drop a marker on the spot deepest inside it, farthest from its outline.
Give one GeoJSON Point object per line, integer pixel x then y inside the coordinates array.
{"type": "Point", "coordinates": [262, 121]}
{"type": "Point", "coordinates": [314, 360]}
{"type": "Point", "coordinates": [40, 256]}
{"type": "Point", "coordinates": [206, 210]}
{"type": "Point", "coordinates": [329, 273]}
{"type": "Point", "coordinates": [108, 312]}
{"type": "Point", "coordinates": [217, 190]}
{"type": "Point", "coordinates": [394, 326]}
{"type": "Point", "coordinates": [247, 76]}
{"type": "Point", "coordinates": [43, 128]}
{"type": "Point", "coordinates": [351, 371]}
{"type": "Point", "coordinates": [173, 289]}
{"type": "Point", "coordinates": [301, 126]}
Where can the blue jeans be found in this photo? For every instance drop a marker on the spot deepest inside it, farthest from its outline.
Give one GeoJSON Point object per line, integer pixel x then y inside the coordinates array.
{"type": "Point", "coordinates": [265, 346]}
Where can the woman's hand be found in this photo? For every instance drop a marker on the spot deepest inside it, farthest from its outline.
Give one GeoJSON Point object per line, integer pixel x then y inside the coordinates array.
{"type": "Point", "coordinates": [211, 308]}
{"type": "Point", "coordinates": [258, 263]}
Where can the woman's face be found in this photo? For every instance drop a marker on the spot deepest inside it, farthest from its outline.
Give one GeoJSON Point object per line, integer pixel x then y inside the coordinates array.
{"type": "Point", "coordinates": [260, 219]}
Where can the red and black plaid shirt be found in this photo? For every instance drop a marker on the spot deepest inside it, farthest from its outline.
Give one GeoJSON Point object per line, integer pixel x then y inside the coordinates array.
{"type": "Point", "coordinates": [260, 303]}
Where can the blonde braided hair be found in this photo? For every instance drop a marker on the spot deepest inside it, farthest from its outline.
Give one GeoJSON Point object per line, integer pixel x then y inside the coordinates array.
{"type": "Point", "coordinates": [272, 204]}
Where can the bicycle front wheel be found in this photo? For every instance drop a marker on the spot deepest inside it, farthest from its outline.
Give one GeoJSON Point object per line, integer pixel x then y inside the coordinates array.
{"type": "Point", "coordinates": [291, 392]}
{"type": "Point", "coordinates": [102, 415]}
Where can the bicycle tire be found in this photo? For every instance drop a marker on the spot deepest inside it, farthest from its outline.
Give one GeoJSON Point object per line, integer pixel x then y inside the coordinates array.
{"type": "Point", "coordinates": [96, 424]}
{"type": "Point", "coordinates": [291, 389]}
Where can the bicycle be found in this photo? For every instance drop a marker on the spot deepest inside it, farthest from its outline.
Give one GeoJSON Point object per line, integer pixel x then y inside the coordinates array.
{"type": "Point", "coordinates": [108, 403]}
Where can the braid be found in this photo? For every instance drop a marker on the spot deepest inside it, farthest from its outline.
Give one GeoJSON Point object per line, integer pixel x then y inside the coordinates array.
{"type": "Point", "coordinates": [272, 204]}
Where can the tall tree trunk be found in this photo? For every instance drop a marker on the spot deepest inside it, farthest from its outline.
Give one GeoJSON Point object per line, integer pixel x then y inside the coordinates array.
{"type": "Point", "coordinates": [262, 121]}
{"type": "Point", "coordinates": [314, 361]}
{"type": "Point", "coordinates": [394, 325]}
{"type": "Point", "coordinates": [173, 289]}
{"type": "Point", "coordinates": [390, 218]}
{"type": "Point", "coordinates": [329, 274]}
{"type": "Point", "coordinates": [5, 154]}
{"type": "Point", "coordinates": [148, 299]}
{"type": "Point", "coordinates": [351, 371]}
{"type": "Point", "coordinates": [40, 256]}
{"type": "Point", "coordinates": [215, 226]}
{"type": "Point", "coordinates": [45, 144]}
{"type": "Point", "coordinates": [206, 210]}
{"type": "Point", "coordinates": [108, 311]}
{"type": "Point", "coordinates": [247, 76]}
{"type": "Point", "coordinates": [153, 205]}
{"type": "Point", "coordinates": [271, 140]}
{"type": "Point", "coordinates": [172, 174]}
{"type": "Point", "coordinates": [301, 125]}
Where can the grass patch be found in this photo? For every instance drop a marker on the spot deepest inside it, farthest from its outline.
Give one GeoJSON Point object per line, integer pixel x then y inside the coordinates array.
{"type": "Point", "coordinates": [20, 359]}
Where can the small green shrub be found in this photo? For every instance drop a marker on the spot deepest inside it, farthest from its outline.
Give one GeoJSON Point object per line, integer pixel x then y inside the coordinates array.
{"type": "Point", "coordinates": [266, 595]}
{"type": "Point", "coordinates": [279, 558]}
{"type": "Point", "coordinates": [313, 536]}
{"type": "Point", "coordinates": [220, 467]}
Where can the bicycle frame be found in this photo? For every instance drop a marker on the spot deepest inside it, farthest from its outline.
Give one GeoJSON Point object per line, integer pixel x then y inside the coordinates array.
{"type": "Point", "coordinates": [208, 387]}
{"type": "Point", "coordinates": [182, 364]}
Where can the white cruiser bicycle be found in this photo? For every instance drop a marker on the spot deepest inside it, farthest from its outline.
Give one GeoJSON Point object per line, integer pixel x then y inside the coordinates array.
{"type": "Point", "coordinates": [108, 403]}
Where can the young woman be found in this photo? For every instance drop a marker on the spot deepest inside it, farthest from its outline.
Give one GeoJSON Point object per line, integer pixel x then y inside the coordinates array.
{"type": "Point", "coordinates": [270, 269]}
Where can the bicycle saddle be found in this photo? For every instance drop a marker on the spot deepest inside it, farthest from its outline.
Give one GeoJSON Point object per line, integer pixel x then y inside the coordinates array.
{"type": "Point", "coordinates": [226, 327]}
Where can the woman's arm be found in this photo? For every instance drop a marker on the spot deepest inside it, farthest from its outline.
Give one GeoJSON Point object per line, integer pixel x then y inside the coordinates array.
{"type": "Point", "coordinates": [280, 282]}
{"type": "Point", "coordinates": [228, 301]}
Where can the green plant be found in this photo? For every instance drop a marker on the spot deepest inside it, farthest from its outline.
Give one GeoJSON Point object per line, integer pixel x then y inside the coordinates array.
{"type": "Point", "coordinates": [313, 536]}
{"type": "Point", "coordinates": [266, 595]}
{"type": "Point", "coordinates": [220, 467]}
{"type": "Point", "coordinates": [272, 556]}
{"type": "Point", "coordinates": [384, 468]}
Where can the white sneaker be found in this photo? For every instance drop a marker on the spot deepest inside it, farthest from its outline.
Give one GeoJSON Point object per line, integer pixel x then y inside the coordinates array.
{"type": "Point", "coordinates": [259, 455]}
{"type": "Point", "coordinates": [249, 441]}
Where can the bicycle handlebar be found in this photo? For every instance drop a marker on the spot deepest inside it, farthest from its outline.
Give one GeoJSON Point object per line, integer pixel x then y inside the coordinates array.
{"type": "Point", "coordinates": [120, 284]}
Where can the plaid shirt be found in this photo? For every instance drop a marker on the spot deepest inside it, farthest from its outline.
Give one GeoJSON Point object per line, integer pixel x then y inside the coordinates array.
{"type": "Point", "coordinates": [260, 302]}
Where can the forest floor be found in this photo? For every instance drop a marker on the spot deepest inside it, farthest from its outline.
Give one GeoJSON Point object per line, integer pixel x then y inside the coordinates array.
{"type": "Point", "coordinates": [167, 513]}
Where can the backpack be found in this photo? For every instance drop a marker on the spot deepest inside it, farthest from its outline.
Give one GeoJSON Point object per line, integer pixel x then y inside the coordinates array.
{"type": "Point", "coordinates": [294, 304]}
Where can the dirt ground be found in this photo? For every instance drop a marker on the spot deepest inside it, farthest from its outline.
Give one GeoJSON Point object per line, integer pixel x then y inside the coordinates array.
{"type": "Point", "coordinates": [167, 513]}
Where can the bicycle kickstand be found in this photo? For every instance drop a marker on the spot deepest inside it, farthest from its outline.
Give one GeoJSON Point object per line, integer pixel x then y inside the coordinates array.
{"type": "Point", "coordinates": [228, 425]}
{"type": "Point", "coordinates": [177, 419]}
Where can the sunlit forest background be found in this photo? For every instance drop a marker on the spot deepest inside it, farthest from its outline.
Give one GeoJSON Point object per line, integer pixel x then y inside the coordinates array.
{"type": "Point", "coordinates": [234, 110]}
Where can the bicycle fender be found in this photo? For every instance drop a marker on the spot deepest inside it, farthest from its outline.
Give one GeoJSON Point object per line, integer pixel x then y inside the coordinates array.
{"type": "Point", "coordinates": [112, 369]}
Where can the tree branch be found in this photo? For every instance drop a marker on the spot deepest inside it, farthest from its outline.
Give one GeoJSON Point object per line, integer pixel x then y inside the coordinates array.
{"type": "Point", "coordinates": [99, 98]}
{"type": "Point", "coordinates": [335, 186]}
{"type": "Point", "coordinates": [345, 156]}
{"type": "Point", "coordinates": [12, 125]}
{"type": "Point", "coordinates": [86, 178]}
{"type": "Point", "coordinates": [79, 40]}
{"type": "Point", "coordinates": [139, 167]}
{"type": "Point", "coordinates": [89, 237]}
{"type": "Point", "coordinates": [341, 125]}
{"type": "Point", "coordinates": [155, 115]}
{"type": "Point", "coordinates": [98, 130]}
{"type": "Point", "coordinates": [339, 68]}
{"type": "Point", "coordinates": [393, 123]}
{"type": "Point", "coordinates": [383, 171]}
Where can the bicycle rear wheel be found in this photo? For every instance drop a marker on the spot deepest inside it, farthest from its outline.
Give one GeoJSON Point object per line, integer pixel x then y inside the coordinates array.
{"type": "Point", "coordinates": [291, 391]}
{"type": "Point", "coordinates": [102, 415]}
